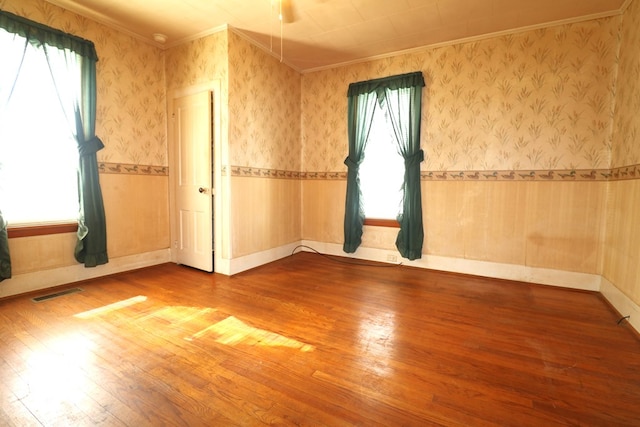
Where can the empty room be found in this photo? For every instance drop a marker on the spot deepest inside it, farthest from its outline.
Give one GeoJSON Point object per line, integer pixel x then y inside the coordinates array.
{"type": "Point", "coordinates": [319, 212]}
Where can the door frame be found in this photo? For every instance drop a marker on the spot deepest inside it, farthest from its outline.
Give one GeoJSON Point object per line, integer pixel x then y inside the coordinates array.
{"type": "Point", "coordinates": [220, 239]}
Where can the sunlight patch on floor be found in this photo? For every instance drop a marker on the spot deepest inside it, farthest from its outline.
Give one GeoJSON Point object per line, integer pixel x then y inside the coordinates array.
{"type": "Point", "coordinates": [56, 371]}
{"type": "Point", "coordinates": [232, 331]}
{"type": "Point", "coordinates": [180, 315]}
{"type": "Point", "coordinates": [110, 307]}
{"type": "Point", "coordinates": [208, 322]}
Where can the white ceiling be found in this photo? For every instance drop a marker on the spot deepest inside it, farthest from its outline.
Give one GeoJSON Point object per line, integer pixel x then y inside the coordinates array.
{"type": "Point", "coordinates": [324, 33]}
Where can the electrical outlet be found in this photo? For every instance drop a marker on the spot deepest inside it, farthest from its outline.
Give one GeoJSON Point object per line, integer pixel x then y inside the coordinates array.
{"type": "Point", "coordinates": [392, 258]}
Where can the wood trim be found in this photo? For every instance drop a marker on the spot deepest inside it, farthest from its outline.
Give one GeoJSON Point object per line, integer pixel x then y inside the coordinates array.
{"type": "Point", "coordinates": [382, 222]}
{"type": "Point", "coordinates": [41, 230]}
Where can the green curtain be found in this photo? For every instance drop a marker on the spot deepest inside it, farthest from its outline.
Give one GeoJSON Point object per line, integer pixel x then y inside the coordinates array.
{"type": "Point", "coordinates": [39, 34]}
{"type": "Point", "coordinates": [5, 259]}
{"type": "Point", "coordinates": [402, 96]}
{"type": "Point", "coordinates": [91, 247]}
{"type": "Point", "coordinates": [404, 106]}
{"type": "Point", "coordinates": [79, 103]}
{"type": "Point", "coordinates": [360, 109]}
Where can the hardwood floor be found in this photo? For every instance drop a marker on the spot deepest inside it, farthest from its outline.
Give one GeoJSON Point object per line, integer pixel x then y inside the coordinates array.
{"type": "Point", "coordinates": [311, 341]}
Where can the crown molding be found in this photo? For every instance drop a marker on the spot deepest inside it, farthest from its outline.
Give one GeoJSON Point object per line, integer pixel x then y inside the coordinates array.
{"type": "Point", "coordinates": [473, 39]}
{"type": "Point", "coordinates": [102, 19]}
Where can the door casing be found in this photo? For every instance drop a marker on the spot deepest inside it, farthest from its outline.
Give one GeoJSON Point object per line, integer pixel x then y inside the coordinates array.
{"type": "Point", "coordinates": [219, 186]}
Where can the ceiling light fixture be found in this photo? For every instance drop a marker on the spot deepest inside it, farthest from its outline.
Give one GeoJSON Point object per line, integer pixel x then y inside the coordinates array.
{"type": "Point", "coordinates": [159, 38]}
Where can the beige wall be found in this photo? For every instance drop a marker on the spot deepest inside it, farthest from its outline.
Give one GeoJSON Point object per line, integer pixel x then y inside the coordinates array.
{"type": "Point", "coordinates": [264, 135]}
{"type": "Point", "coordinates": [199, 62]}
{"type": "Point", "coordinates": [131, 122]}
{"type": "Point", "coordinates": [264, 101]}
{"type": "Point", "coordinates": [260, 120]}
{"type": "Point", "coordinates": [202, 64]}
{"type": "Point", "coordinates": [555, 225]}
{"type": "Point", "coordinates": [535, 100]}
{"type": "Point", "coordinates": [498, 116]}
{"type": "Point", "coordinates": [622, 245]}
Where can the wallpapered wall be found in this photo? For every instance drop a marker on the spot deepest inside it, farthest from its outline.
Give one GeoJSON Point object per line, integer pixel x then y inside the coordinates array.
{"type": "Point", "coordinates": [131, 121]}
{"type": "Point", "coordinates": [264, 101]}
{"type": "Point", "coordinates": [199, 62]}
{"type": "Point", "coordinates": [260, 119]}
{"type": "Point", "coordinates": [537, 100]}
{"type": "Point", "coordinates": [622, 244]}
{"type": "Point", "coordinates": [264, 142]}
{"type": "Point", "coordinates": [260, 101]}
{"type": "Point", "coordinates": [130, 81]}
{"type": "Point", "coordinates": [626, 131]}
{"type": "Point", "coordinates": [532, 107]}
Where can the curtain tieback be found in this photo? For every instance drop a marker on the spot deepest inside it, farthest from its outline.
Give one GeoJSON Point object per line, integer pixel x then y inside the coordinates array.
{"type": "Point", "coordinates": [351, 164]}
{"type": "Point", "coordinates": [415, 159]}
{"type": "Point", "coordinates": [90, 146]}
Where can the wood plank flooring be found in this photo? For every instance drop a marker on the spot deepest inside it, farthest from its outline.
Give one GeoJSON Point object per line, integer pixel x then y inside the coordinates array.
{"type": "Point", "coordinates": [311, 341]}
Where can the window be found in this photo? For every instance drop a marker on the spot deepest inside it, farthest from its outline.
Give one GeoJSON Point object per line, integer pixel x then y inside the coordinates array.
{"type": "Point", "coordinates": [38, 153]}
{"type": "Point", "coordinates": [400, 98]}
{"type": "Point", "coordinates": [382, 171]}
{"type": "Point", "coordinates": [71, 62]}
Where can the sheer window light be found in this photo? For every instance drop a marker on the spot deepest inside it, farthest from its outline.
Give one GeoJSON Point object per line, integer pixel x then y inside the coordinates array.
{"type": "Point", "coordinates": [381, 172]}
{"type": "Point", "coordinates": [38, 153]}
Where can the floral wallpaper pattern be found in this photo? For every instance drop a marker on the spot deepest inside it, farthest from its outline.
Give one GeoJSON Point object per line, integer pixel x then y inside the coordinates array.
{"type": "Point", "coordinates": [264, 104]}
{"type": "Point", "coordinates": [261, 98]}
{"type": "Point", "coordinates": [130, 116]}
{"type": "Point", "coordinates": [537, 100]}
{"type": "Point", "coordinates": [198, 61]}
{"type": "Point", "coordinates": [626, 132]}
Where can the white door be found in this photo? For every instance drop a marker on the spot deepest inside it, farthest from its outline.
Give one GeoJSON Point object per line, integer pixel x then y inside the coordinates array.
{"type": "Point", "coordinates": [192, 127]}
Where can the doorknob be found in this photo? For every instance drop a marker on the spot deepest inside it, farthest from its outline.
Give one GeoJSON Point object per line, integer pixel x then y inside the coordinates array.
{"type": "Point", "coordinates": [202, 190]}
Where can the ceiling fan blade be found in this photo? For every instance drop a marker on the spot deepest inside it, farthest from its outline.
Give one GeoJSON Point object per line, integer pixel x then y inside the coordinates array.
{"type": "Point", "coordinates": [287, 12]}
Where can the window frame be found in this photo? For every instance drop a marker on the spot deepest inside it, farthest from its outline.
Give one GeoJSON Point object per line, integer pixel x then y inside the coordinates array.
{"type": "Point", "coordinates": [41, 229]}
{"type": "Point", "coordinates": [381, 222]}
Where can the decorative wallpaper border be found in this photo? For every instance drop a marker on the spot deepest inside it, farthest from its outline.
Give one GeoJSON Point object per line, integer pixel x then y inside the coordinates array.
{"type": "Point", "coordinates": [261, 172]}
{"type": "Point", "coordinates": [520, 175]}
{"type": "Point", "coordinates": [131, 169]}
{"type": "Point", "coordinates": [616, 174]}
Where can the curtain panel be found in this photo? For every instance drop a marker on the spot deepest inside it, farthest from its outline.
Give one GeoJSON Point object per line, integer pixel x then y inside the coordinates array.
{"type": "Point", "coordinates": [38, 35]}
{"type": "Point", "coordinates": [402, 97]}
{"type": "Point", "coordinates": [360, 110]}
{"type": "Point", "coordinates": [5, 259]}
{"type": "Point", "coordinates": [78, 100]}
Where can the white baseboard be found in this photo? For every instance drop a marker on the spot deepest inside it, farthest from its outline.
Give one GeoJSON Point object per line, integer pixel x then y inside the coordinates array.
{"type": "Point", "coordinates": [29, 282]}
{"type": "Point", "coordinates": [240, 264]}
{"type": "Point", "coordinates": [621, 302]}
{"type": "Point", "coordinates": [522, 273]}
{"type": "Point", "coordinates": [222, 266]}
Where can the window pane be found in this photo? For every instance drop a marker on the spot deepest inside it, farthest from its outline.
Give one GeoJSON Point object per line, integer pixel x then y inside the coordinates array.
{"type": "Point", "coordinates": [381, 172]}
{"type": "Point", "coordinates": [38, 154]}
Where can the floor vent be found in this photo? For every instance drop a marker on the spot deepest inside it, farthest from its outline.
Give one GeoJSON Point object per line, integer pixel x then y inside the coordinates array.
{"type": "Point", "coordinates": [56, 294]}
